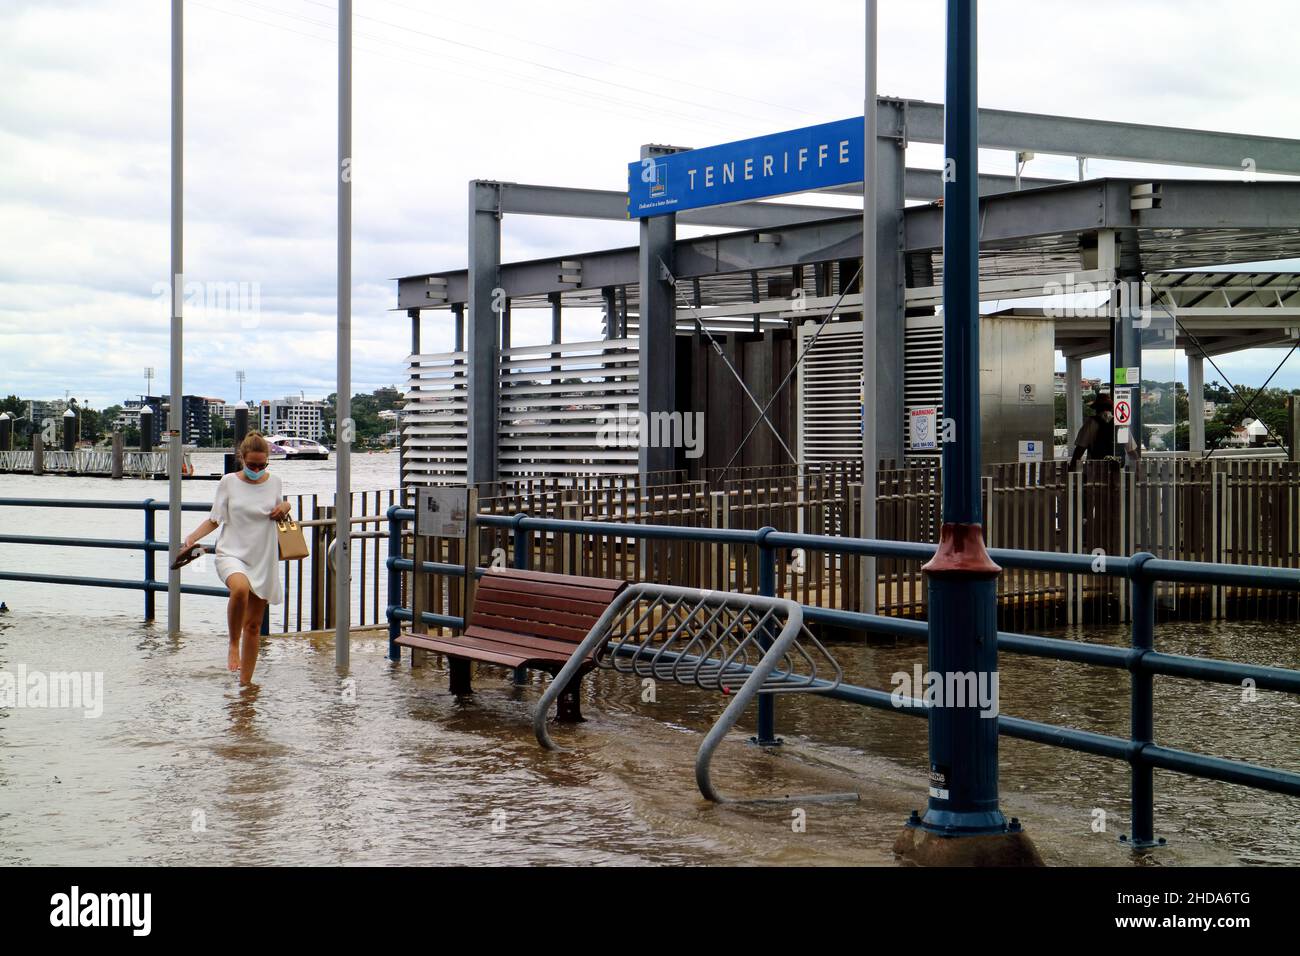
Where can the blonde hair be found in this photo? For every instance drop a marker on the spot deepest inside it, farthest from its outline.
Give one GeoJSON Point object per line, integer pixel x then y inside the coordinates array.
{"type": "Point", "coordinates": [253, 441]}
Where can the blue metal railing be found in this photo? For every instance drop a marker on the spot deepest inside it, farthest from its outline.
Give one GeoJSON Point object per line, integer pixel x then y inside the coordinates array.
{"type": "Point", "coordinates": [150, 545]}
{"type": "Point", "coordinates": [1143, 571]}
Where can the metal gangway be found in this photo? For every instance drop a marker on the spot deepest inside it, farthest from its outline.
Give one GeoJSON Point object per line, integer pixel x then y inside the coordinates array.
{"type": "Point", "coordinates": [90, 461]}
{"type": "Point", "coordinates": [741, 645]}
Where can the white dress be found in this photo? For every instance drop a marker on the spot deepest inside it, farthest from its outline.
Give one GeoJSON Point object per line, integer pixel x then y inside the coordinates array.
{"type": "Point", "coordinates": [248, 543]}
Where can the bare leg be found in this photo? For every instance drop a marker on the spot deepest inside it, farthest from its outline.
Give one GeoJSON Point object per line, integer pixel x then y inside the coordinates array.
{"type": "Point", "coordinates": [252, 636]}
{"type": "Point", "coordinates": [236, 611]}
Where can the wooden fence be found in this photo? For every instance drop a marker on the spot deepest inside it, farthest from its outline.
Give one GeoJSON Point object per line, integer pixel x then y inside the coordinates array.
{"type": "Point", "coordinates": [1221, 511]}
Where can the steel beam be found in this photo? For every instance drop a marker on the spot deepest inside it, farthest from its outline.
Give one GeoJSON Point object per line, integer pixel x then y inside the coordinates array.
{"type": "Point", "coordinates": [1071, 208]}
{"type": "Point", "coordinates": [927, 184]}
{"type": "Point", "coordinates": [609, 204]}
{"type": "Point", "coordinates": [1101, 139]}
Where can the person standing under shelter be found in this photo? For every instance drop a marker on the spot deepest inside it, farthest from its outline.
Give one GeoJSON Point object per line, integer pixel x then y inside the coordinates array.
{"type": "Point", "coordinates": [1096, 438]}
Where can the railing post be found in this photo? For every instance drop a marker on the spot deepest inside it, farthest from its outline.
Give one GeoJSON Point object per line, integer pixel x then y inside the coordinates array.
{"type": "Point", "coordinates": [767, 587]}
{"type": "Point", "coordinates": [520, 546]}
{"type": "Point", "coordinates": [149, 529]}
{"type": "Point", "coordinates": [520, 543]}
{"type": "Point", "coordinates": [394, 582]}
{"type": "Point", "coordinates": [1142, 707]}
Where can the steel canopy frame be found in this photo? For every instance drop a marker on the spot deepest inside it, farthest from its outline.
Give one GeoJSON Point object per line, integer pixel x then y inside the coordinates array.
{"type": "Point", "coordinates": [1045, 228]}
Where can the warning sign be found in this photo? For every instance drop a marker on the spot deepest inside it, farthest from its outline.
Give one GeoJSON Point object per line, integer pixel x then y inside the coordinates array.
{"type": "Point", "coordinates": [924, 436]}
{"type": "Point", "coordinates": [1123, 406]}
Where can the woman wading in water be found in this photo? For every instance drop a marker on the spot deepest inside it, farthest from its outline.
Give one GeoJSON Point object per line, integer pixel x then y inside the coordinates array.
{"type": "Point", "coordinates": [246, 506]}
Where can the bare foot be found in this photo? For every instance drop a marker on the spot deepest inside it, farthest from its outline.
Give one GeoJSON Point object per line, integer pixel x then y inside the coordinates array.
{"type": "Point", "coordinates": [232, 659]}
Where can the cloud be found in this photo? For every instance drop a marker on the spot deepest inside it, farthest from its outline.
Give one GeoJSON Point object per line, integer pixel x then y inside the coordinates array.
{"type": "Point", "coordinates": [561, 93]}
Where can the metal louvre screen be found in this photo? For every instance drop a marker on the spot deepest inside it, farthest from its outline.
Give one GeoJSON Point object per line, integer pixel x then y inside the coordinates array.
{"type": "Point", "coordinates": [434, 420]}
{"type": "Point", "coordinates": [569, 409]}
{"type": "Point", "coordinates": [830, 392]}
{"type": "Point", "coordinates": [922, 372]}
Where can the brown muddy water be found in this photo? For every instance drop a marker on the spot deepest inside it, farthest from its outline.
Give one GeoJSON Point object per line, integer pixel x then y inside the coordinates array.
{"type": "Point", "coordinates": [385, 767]}
{"type": "Point", "coordinates": [181, 767]}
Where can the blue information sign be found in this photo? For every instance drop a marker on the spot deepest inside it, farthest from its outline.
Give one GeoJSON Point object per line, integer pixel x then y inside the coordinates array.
{"type": "Point", "coordinates": [795, 161]}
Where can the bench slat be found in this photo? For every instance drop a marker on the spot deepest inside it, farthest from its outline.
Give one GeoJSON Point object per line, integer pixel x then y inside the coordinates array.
{"type": "Point", "coordinates": [573, 635]}
{"type": "Point", "coordinates": [525, 612]}
{"type": "Point", "coordinates": [589, 610]}
{"type": "Point", "coordinates": [523, 641]}
{"type": "Point", "coordinates": [548, 577]}
{"type": "Point", "coordinates": [494, 656]}
{"type": "Point", "coordinates": [482, 648]}
{"type": "Point", "coordinates": [548, 590]}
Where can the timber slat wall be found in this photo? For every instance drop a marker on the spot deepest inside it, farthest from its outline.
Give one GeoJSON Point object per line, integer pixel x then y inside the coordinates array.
{"type": "Point", "coordinates": [1242, 512]}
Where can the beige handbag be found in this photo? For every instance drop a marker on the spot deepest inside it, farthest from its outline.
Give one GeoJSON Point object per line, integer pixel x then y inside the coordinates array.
{"type": "Point", "coordinates": [293, 546]}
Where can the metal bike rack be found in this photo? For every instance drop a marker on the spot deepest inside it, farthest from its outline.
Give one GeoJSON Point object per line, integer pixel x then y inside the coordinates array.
{"type": "Point", "coordinates": [739, 644]}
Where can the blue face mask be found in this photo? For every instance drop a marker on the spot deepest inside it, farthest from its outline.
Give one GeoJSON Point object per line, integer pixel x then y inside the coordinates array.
{"type": "Point", "coordinates": [253, 475]}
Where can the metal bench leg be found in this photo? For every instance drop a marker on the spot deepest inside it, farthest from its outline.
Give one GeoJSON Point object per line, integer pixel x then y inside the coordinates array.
{"type": "Point", "coordinates": [568, 707]}
{"type": "Point", "coordinates": [459, 670]}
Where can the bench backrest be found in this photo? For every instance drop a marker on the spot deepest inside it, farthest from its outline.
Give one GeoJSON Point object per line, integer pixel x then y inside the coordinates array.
{"type": "Point", "coordinates": [559, 607]}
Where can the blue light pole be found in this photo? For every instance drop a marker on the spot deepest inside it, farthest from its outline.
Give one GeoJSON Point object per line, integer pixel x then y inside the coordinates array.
{"type": "Point", "coordinates": [963, 786]}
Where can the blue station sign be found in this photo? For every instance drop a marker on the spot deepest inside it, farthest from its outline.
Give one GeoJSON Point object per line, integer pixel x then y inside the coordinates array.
{"type": "Point", "coordinates": [797, 160]}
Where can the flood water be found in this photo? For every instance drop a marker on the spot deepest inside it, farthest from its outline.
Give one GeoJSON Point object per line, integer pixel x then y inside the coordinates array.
{"type": "Point", "coordinates": [383, 766]}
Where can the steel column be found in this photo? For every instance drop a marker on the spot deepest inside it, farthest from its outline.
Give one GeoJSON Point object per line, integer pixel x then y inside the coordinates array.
{"type": "Point", "coordinates": [486, 300]}
{"type": "Point", "coordinates": [1195, 402]}
{"type": "Point", "coordinates": [766, 736]}
{"type": "Point", "coordinates": [962, 577]}
{"type": "Point", "coordinates": [414, 315]}
{"type": "Point", "coordinates": [870, 303]}
{"type": "Point", "coordinates": [1073, 399]}
{"type": "Point", "coordinates": [890, 283]}
{"type": "Point", "coordinates": [175, 453]}
{"type": "Point", "coordinates": [345, 429]}
{"type": "Point", "coordinates": [1126, 339]}
{"type": "Point", "coordinates": [657, 350]}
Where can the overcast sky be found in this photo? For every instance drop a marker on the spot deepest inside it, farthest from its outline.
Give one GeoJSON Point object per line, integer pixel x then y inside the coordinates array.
{"type": "Point", "coordinates": [561, 93]}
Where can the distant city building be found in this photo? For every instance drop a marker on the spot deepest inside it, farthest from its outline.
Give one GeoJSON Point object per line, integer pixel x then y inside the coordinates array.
{"type": "Point", "coordinates": [196, 422]}
{"type": "Point", "coordinates": [129, 416]}
{"type": "Point", "coordinates": [39, 410]}
{"type": "Point", "coordinates": [301, 418]}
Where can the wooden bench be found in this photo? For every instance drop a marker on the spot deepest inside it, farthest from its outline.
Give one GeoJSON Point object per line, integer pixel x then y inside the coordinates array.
{"type": "Point", "coordinates": [527, 619]}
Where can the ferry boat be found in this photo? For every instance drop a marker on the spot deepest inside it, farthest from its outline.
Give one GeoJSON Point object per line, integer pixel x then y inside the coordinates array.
{"type": "Point", "coordinates": [299, 449]}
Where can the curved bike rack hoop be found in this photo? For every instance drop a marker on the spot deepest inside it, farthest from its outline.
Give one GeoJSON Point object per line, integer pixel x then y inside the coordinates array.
{"type": "Point", "coordinates": [715, 640]}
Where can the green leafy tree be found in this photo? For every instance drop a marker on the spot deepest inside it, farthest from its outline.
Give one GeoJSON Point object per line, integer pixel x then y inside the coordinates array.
{"type": "Point", "coordinates": [92, 425]}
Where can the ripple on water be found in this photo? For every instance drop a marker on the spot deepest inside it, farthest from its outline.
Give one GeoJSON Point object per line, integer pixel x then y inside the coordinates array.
{"type": "Point", "coordinates": [184, 767]}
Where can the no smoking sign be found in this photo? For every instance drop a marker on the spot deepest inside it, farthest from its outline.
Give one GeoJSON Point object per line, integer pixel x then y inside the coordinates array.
{"type": "Point", "coordinates": [1123, 407]}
